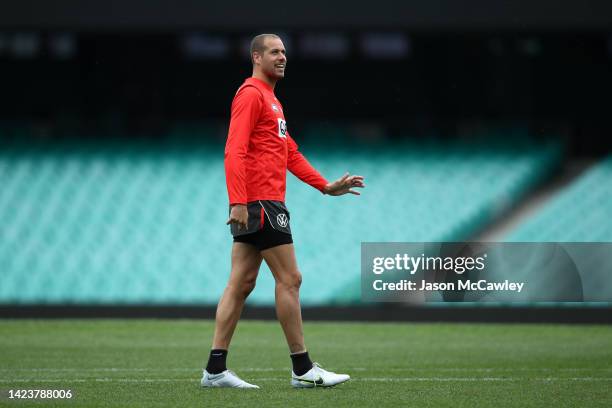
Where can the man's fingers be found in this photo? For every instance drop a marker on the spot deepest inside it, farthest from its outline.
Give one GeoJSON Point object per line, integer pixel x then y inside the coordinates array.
{"type": "Point", "coordinates": [236, 221]}
{"type": "Point", "coordinates": [344, 185]}
{"type": "Point", "coordinates": [355, 180]}
{"type": "Point", "coordinates": [348, 180]}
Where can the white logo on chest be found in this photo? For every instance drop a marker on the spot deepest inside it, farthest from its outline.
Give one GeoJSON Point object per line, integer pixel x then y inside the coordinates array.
{"type": "Point", "coordinates": [282, 128]}
{"type": "Point", "coordinates": [275, 108]}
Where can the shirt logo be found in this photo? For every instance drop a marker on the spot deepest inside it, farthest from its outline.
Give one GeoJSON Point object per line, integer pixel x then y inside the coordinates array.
{"type": "Point", "coordinates": [282, 220]}
{"type": "Point", "coordinates": [282, 128]}
{"type": "Point", "coordinates": [275, 108]}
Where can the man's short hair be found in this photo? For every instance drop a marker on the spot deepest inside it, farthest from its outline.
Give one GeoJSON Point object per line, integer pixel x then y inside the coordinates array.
{"type": "Point", "coordinates": [258, 43]}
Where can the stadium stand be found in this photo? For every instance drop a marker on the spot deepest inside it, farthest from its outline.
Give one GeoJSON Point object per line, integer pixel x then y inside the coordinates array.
{"type": "Point", "coordinates": [578, 214]}
{"type": "Point", "coordinates": [141, 223]}
{"type": "Point", "coordinates": [581, 213]}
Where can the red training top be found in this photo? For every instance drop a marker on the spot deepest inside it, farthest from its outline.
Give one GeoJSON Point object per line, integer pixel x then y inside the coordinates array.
{"type": "Point", "coordinates": [259, 149]}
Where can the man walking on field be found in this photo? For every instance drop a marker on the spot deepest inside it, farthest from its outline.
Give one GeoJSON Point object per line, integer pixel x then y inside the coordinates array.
{"type": "Point", "coordinates": [258, 153]}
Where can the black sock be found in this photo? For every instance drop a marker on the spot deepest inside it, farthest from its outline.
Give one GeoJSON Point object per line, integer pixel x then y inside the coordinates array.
{"type": "Point", "coordinates": [301, 363]}
{"type": "Point", "coordinates": [216, 361]}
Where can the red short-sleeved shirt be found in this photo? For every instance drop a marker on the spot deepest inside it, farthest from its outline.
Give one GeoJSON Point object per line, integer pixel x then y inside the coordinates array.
{"type": "Point", "coordinates": [259, 150]}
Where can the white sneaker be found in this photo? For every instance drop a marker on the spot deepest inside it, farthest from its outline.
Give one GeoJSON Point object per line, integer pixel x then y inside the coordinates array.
{"type": "Point", "coordinates": [318, 377]}
{"type": "Point", "coordinates": [226, 379]}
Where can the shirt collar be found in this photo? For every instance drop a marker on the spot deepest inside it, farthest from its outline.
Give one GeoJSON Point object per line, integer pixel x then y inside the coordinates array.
{"type": "Point", "coordinates": [257, 81]}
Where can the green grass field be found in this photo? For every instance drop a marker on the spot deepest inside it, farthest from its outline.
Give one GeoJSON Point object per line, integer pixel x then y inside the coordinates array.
{"type": "Point", "coordinates": [155, 363]}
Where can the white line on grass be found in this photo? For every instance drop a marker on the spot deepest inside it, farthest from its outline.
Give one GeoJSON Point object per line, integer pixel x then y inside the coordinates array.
{"type": "Point", "coordinates": [479, 369]}
{"type": "Point", "coordinates": [476, 379]}
{"type": "Point", "coordinates": [269, 369]}
{"type": "Point", "coordinates": [366, 379]}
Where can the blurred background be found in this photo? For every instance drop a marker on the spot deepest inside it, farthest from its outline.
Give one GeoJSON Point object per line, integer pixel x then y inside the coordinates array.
{"type": "Point", "coordinates": [471, 121]}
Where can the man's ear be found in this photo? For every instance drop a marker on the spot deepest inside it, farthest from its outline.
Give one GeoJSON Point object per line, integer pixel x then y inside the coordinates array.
{"type": "Point", "coordinates": [256, 58]}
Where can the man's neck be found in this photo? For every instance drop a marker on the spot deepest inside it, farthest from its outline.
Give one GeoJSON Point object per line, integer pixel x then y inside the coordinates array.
{"type": "Point", "coordinates": [264, 78]}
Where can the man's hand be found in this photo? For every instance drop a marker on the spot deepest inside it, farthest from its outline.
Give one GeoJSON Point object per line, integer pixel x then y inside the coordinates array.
{"type": "Point", "coordinates": [344, 185]}
{"type": "Point", "coordinates": [239, 215]}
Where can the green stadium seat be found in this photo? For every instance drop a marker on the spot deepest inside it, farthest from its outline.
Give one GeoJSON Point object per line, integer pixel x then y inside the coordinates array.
{"type": "Point", "coordinates": [580, 213]}
{"type": "Point", "coordinates": [133, 224]}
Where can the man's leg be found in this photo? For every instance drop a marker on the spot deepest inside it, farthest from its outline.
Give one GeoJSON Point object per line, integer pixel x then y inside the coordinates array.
{"type": "Point", "coordinates": [246, 260]}
{"type": "Point", "coordinates": [282, 263]}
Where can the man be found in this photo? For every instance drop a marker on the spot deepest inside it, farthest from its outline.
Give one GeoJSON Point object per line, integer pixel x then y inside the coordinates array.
{"type": "Point", "coordinates": [258, 152]}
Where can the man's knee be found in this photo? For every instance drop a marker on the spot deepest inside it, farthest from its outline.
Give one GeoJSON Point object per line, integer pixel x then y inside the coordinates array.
{"type": "Point", "coordinates": [247, 287]}
{"type": "Point", "coordinates": [242, 288]}
{"type": "Point", "coordinates": [290, 281]}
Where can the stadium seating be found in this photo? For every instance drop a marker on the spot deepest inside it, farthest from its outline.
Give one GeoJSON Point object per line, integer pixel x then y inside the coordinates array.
{"type": "Point", "coordinates": [110, 223]}
{"type": "Point", "coordinates": [581, 213]}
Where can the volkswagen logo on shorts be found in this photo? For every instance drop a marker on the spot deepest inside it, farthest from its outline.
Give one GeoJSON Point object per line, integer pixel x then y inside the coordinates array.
{"type": "Point", "coordinates": [282, 220]}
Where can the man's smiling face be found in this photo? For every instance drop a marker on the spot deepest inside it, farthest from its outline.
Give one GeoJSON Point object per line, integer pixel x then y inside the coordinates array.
{"type": "Point", "coordinates": [273, 60]}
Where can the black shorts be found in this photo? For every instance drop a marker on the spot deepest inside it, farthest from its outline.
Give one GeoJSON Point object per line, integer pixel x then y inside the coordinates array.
{"type": "Point", "coordinates": [268, 225]}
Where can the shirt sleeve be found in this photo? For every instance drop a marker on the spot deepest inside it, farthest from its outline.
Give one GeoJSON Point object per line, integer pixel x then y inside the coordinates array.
{"type": "Point", "coordinates": [246, 108]}
{"type": "Point", "coordinates": [301, 168]}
